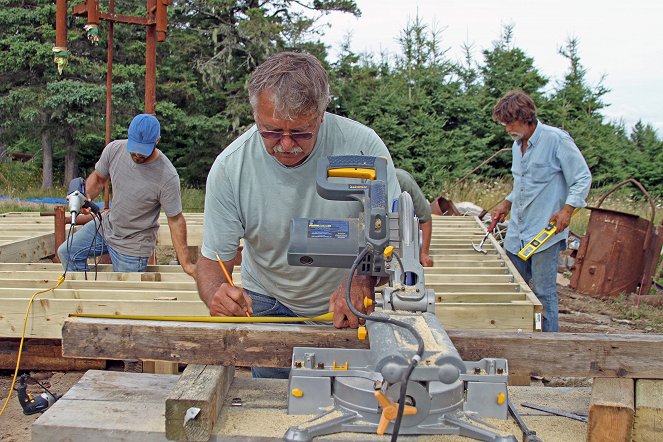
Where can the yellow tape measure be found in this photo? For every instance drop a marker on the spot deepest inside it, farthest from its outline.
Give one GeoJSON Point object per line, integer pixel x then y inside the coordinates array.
{"type": "Point", "coordinates": [538, 241]}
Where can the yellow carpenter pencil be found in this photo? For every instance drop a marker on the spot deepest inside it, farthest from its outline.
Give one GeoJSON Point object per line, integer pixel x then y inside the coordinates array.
{"type": "Point", "coordinates": [228, 277]}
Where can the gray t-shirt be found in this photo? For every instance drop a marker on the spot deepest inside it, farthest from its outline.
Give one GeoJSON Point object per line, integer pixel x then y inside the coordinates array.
{"type": "Point", "coordinates": [139, 193]}
{"type": "Point", "coordinates": [251, 195]}
{"type": "Point", "coordinates": [409, 184]}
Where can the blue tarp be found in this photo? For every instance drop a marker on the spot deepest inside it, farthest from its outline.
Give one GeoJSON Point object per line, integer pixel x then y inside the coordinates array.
{"type": "Point", "coordinates": [46, 200]}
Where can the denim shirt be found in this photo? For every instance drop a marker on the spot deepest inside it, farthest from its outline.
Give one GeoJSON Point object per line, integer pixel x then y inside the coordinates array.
{"type": "Point", "coordinates": [552, 173]}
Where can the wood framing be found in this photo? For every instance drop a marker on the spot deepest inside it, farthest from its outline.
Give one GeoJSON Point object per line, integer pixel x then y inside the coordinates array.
{"type": "Point", "coordinates": [542, 354]}
{"type": "Point", "coordinates": [473, 290]}
{"type": "Point", "coordinates": [27, 248]}
{"type": "Point", "coordinates": [611, 410]}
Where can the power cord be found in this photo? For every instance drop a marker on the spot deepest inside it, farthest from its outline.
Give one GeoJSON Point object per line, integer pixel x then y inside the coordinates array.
{"type": "Point", "coordinates": [27, 311]}
{"type": "Point", "coordinates": [420, 349]}
{"type": "Point", "coordinates": [20, 347]}
{"type": "Point", "coordinates": [70, 242]}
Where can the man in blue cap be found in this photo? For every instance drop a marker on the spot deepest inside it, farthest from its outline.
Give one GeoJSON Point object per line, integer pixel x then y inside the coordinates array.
{"type": "Point", "coordinates": [144, 182]}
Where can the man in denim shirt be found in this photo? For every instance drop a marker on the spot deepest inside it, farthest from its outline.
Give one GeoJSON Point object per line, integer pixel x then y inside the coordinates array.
{"type": "Point", "coordinates": [550, 180]}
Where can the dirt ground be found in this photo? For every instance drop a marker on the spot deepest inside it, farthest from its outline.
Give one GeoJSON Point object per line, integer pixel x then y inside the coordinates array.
{"type": "Point", "coordinates": [578, 314]}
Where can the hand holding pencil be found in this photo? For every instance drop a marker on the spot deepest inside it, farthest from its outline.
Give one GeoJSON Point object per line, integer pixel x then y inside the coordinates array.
{"type": "Point", "coordinates": [229, 278]}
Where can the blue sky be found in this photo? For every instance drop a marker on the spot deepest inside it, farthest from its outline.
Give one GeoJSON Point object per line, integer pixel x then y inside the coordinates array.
{"type": "Point", "coordinates": [621, 40]}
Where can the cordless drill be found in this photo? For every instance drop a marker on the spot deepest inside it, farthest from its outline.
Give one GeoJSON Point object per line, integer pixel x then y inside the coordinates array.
{"type": "Point", "coordinates": [77, 199]}
{"type": "Point", "coordinates": [33, 405]}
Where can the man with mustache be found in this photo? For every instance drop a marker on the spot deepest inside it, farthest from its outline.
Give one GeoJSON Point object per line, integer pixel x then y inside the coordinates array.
{"type": "Point", "coordinates": [550, 180]}
{"type": "Point", "coordinates": [267, 177]}
{"type": "Point", "coordinates": [144, 182]}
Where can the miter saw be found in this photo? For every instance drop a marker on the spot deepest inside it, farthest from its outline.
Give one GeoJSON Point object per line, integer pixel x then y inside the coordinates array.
{"type": "Point", "coordinates": [412, 379]}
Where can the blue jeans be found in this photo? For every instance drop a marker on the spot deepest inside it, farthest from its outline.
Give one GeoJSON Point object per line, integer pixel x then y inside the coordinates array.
{"type": "Point", "coordinates": [89, 242]}
{"type": "Point", "coordinates": [267, 306]}
{"type": "Point", "coordinates": [540, 273]}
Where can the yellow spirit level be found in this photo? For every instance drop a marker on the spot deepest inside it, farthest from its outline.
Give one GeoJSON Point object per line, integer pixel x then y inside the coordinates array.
{"type": "Point", "coordinates": [538, 241]}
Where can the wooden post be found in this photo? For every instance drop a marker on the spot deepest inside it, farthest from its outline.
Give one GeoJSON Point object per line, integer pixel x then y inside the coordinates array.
{"type": "Point", "coordinates": [200, 391]}
{"type": "Point", "coordinates": [648, 425]}
{"type": "Point", "coordinates": [611, 410]}
{"type": "Point", "coordinates": [151, 59]}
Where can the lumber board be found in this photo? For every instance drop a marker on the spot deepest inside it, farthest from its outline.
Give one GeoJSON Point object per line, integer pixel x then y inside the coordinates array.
{"type": "Point", "coordinates": [472, 286]}
{"type": "Point", "coordinates": [648, 423]}
{"type": "Point", "coordinates": [99, 286]}
{"type": "Point", "coordinates": [99, 276]}
{"type": "Point", "coordinates": [47, 316]}
{"type": "Point", "coordinates": [541, 354]}
{"type": "Point", "coordinates": [28, 249]}
{"type": "Point", "coordinates": [47, 266]}
{"type": "Point", "coordinates": [92, 294]}
{"type": "Point", "coordinates": [108, 406]}
{"type": "Point", "coordinates": [41, 354]}
{"type": "Point", "coordinates": [460, 270]}
{"type": "Point", "coordinates": [161, 367]}
{"type": "Point", "coordinates": [514, 316]}
{"type": "Point", "coordinates": [611, 410]}
{"type": "Point", "coordinates": [203, 387]}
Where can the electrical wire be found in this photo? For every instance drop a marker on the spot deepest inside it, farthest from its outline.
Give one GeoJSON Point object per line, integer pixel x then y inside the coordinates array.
{"type": "Point", "coordinates": [60, 280]}
{"type": "Point", "coordinates": [70, 243]}
{"type": "Point", "coordinates": [413, 361]}
{"type": "Point", "coordinates": [20, 346]}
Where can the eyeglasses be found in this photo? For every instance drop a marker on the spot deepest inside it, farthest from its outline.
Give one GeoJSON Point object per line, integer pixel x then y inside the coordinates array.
{"type": "Point", "coordinates": [277, 135]}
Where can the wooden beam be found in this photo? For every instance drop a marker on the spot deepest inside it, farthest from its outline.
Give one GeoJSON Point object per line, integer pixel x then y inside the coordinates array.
{"type": "Point", "coordinates": [42, 354]}
{"type": "Point", "coordinates": [203, 387]}
{"type": "Point", "coordinates": [648, 424]}
{"type": "Point", "coordinates": [542, 354]}
{"type": "Point", "coordinates": [611, 410]}
{"type": "Point", "coordinates": [29, 249]}
{"type": "Point", "coordinates": [161, 367]}
{"type": "Point", "coordinates": [48, 315]}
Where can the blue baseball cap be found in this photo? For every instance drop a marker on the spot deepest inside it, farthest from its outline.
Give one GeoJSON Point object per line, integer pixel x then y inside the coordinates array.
{"type": "Point", "coordinates": [144, 132]}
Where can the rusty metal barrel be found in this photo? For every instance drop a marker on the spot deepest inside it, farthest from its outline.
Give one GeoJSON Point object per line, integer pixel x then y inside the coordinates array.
{"type": "Point", "coordinates": [619, 252]}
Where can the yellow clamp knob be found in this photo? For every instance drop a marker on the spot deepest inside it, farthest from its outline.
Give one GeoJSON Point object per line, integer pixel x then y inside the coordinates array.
{"type": "Point", "coordinates": [362, 333]}
{"type": "Point", "coordinates": [388, 251]}
{"type": "Point", "coordinates": [367, 302]}
{"type": "Point", "coordinates": [296, 392]}
{"type": "Point", "coordinates": [501, 398]}
{"type": "Point", "coordinates": [390, 411]}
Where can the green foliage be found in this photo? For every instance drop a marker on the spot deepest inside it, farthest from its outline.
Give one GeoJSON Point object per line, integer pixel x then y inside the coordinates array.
{"type": "Point", "coordinates": [16, 178]}
{"type": "Point", "coordinates": [433, 113]}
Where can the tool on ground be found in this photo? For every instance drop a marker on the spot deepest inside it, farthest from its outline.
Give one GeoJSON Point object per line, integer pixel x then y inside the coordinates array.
{"type": "Point", "coordinates": [77, 199]}
{"type": "Point", "coordinates": [30, 404]}
{"type": "Point", "coordinates": [528, 435]}
{"type": "Point", "coordinates": [402, 384]}
{"type": "Point", "coordinates": [575, 416]}
{"type": "Point", "coordinates": [538, 241]}
{"type": "Point", "coordinates": [229, 278]}
{"type": "Point", "coordinates": [480, 248]}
